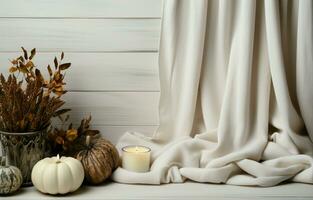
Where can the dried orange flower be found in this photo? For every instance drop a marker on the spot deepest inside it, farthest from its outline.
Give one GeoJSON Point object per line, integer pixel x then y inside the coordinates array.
{"type": "Point", "coordinates": [71, 134]}
{"type": "Point", "coordinates": [64, 140]}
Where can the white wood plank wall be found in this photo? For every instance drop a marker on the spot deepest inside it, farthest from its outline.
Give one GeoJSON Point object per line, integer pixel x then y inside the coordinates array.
{"type": "Point", "coordinates": [113, 47]}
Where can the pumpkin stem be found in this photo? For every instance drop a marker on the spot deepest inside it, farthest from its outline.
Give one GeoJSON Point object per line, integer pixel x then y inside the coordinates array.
{"type": "Point", "coordinates": [87, 140]}
{"type": "Point", "coordinates": [2, 161]}
{"type": "Point", "coordinates": [58, 159]}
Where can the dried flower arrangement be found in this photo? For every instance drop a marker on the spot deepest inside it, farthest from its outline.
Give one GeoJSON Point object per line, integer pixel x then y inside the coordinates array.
{"type": "Point", "coordinates": [28, 103]}
{"type": "Point", "coordinates": [66, 139]}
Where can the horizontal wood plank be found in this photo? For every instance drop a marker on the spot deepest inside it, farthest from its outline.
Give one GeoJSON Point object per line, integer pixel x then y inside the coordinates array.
{"type": "Point", "coordinates": [80, 35]}
{"type": "Point", "coordinates": [114, 108]}
{"type": "Point", "coordinates": [82, 8]}
{"type": "Point", "coordinates": [113, 133]}
{"type": "Point", "coordinates": [101, 71]}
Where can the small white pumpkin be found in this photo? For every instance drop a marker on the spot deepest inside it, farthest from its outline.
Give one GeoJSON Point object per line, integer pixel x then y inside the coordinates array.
{"type": "Point", "coordinates": [58, 175]}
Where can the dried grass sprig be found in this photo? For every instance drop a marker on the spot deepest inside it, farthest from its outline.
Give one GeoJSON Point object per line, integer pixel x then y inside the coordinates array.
{"type": "Point", "coordinates": [28, 103]}
{"type": "Point", "coordinates": [65, 139]}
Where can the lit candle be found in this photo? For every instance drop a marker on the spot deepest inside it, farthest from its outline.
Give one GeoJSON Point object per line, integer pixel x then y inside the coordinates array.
{"type": "Point", "coordinates": [136, 158]}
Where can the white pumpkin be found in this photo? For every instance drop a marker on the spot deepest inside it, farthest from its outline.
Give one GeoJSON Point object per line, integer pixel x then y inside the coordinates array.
{"type": "Point", "coordinates": [58, 175]}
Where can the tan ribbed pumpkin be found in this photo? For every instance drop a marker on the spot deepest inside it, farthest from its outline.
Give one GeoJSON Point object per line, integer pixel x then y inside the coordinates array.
{"type": "Point", "coordinates": [99, 158]}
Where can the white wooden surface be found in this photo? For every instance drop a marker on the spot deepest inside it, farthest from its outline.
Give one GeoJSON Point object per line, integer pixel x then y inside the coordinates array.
{"type": "Point", "coordinates": [113, 48]}
{"type": "Point", "coordinates": [186, 191]}
{"type": "Point", "coordinates": [101, 71]}
{"type": "Point", "coordinates": [80, 35]}
{"type": "Point", "coordinates": [115, 132]}
{"type": "Point", "coordinates": [115, 108]}
{"type": "Point", "coordinates": [81, 8]}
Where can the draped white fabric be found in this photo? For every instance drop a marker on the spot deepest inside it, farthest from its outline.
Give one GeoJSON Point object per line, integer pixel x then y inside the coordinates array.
{"type": "Point", "coordinates": [236, 94]}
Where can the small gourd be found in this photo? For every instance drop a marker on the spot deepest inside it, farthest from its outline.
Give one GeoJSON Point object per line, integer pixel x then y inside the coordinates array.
{"type": "Point", "coordinates": [57, 175]}
{"type": "Point", "coordinates": [10, 177]}
{"type": "Point", "coordinates": [99, 158]}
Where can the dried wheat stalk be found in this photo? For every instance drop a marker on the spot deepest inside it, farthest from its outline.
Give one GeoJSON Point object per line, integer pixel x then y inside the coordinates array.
{"type": "Point", "coordinates": [28, 103]}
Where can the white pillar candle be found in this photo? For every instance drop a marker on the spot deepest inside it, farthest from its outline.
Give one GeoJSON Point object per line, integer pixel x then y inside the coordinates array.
{"type": "Point", "coordinates": [136, 158]}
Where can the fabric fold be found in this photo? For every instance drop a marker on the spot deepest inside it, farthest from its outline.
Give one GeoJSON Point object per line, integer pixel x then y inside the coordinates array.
{"type": "Point", "coordinates": [236, 93]}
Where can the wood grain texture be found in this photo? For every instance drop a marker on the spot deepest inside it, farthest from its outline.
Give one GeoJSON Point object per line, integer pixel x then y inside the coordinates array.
{"type": "Point", "coordinates": [114, 108]}
{"type": "Point", "coordinates": [113, 133]}
{"type": "Point", "coordinates": [82, 8]}
{"type": "Point", "coordinates": [101, 71]}
{"type": "Point", "coordinates": [112, 45]}
{"type": "Point", "coordinates": [80, 35]}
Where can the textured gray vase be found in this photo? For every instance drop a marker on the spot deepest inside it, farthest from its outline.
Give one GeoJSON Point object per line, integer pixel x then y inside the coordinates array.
{"type": "Point", "coordinates": [23, 150]}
